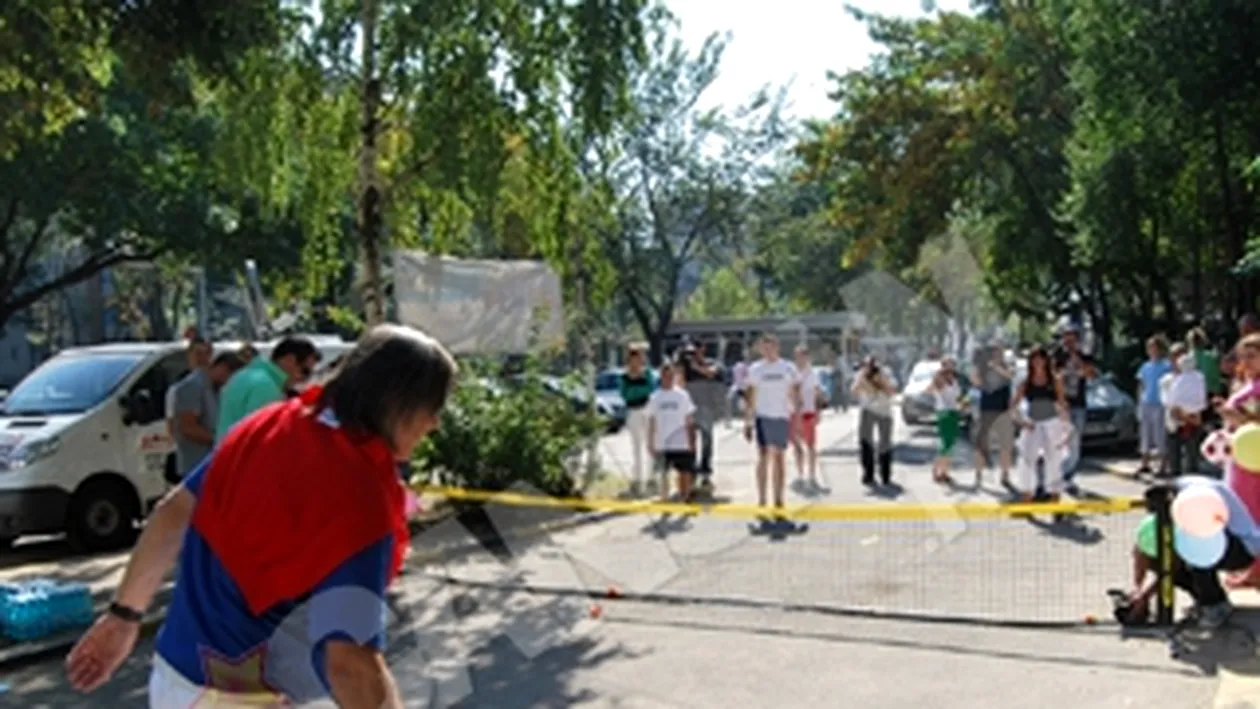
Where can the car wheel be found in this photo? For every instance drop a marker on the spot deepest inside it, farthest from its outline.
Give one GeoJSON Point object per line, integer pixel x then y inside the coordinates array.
{"type": "Point", "coordinates": [102, 517]}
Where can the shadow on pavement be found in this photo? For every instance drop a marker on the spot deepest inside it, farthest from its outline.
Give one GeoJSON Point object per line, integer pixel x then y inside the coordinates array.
{"type": "Point", "coordinates": [503, 678]}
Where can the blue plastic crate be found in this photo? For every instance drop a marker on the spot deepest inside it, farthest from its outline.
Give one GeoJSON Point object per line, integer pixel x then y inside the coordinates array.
{"type": "Point", "coordinates": [39, 608]}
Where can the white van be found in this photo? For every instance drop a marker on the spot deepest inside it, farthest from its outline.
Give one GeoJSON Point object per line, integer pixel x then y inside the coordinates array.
{"type": "Point", "coordinates": [84, 447]}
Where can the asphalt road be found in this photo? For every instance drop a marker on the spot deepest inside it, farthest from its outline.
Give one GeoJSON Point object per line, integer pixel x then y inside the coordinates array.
{"type": "Point", "coordinates": [731, 644]}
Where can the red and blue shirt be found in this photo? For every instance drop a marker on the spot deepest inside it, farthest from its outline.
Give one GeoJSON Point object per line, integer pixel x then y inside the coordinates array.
{"type": "Point", "coordinates": [296, 534]}
{"type": "Point", "coordinates": [213, 640]}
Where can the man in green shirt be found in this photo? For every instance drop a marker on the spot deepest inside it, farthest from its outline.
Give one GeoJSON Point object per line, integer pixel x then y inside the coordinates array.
{"type": "Point", "coordinates": [265, 381]}
{"type": "Point", "coordinates": [1206, 361]}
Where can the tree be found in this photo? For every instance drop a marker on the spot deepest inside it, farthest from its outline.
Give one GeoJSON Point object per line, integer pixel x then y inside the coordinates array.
{"type": "Point", "coordinates": [680, 181]}
{"type": "Point", "coordinates": [124, 184]}
{"type": "Point", "coordinates": [415, 131]}
{"type": "Point", "coordinates": [59, 57]}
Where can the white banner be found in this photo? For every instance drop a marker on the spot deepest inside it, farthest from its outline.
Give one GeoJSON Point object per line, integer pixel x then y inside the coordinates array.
{"type": "Point", "coordinates": [479, 306]}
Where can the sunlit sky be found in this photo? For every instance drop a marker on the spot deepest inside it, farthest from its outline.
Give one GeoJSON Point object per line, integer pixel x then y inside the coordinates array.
{"type": "Point", "coordinates": [780, 41]}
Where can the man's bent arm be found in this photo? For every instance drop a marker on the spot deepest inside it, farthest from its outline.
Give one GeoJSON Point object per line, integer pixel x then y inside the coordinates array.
{"type": "Point", "coordinates": [359, 677]}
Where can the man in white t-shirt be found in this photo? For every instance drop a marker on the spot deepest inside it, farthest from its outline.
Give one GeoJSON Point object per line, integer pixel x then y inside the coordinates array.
{"type": "Point", "coordinates": [773, 394]}
{"type": "Point", "coordinates": [672, 432]}
{"type": "Point", "coordinates": [805, 419]}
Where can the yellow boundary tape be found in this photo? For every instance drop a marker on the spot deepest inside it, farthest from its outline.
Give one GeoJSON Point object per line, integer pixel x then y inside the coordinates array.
{"type": "Point", "coordinates": [834, 512]}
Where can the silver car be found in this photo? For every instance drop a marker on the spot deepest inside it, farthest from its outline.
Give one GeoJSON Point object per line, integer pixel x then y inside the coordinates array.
{"type": "Point", "coordinates": [918, 405]}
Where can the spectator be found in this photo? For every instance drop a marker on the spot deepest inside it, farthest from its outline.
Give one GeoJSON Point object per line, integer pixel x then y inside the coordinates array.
{"type": "Point", "coordinates": [296, 522]}
{"type": "Point", "coordinates": [265, 381]}
{"type": "Point", "coordinates": [804, 434]}
{"type": "Point", "coordinates": [1206, 361]}
{"type": "Point", "coordinates": [841, 374]}
{"type": "Point", "coordinates": [1185, 399]}
{"type": "Point", "coordinates": [736, 396]}
{"type": "Point", "coordinates": [993, 379]}
{"type": "Point", "coordinates": [874, 388]}
{"type": "Point", "coordinates": [1242, 407]}
{"type": "Point", "coordinates": [703, 382]}
{"type": "Point", "coordinates": [1043, 421]}
{"type": "Point", "coordinates": [672, 434]}
{"type": "Point", "coordinates": [773, 392]}
{"type": "Point", "coordinates": [637, 384]}
{"type": "Point", "coordinates": [196, 405]}
{"type": "Point", "coordinates": [1076, 368]}
{"type": "Point", "coordinates": [199, 354]}
{"type": "Point", "coordinates": [947, 391]}
{"type": "Point", "coordinates": [1151, 423]}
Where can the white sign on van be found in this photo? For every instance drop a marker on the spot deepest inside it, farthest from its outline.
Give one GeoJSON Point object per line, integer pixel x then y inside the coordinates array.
{"type": "Point", "coordinates": [480, 306]}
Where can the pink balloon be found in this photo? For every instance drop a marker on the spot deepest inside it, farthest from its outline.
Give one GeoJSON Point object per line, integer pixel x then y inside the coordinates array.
{"type": "Point", "coordinates": [1200, 511]}
{"type": "Point", "coordinates": [412, 505]}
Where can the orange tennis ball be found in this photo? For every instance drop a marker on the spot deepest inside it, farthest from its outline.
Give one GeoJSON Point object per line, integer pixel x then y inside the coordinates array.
{"type": "Point", "coordinates": [1091, 620]}
{"type": "Point", "coordinates": [613, 592]}
{"type": "Point", "coordinates": [596, 610]}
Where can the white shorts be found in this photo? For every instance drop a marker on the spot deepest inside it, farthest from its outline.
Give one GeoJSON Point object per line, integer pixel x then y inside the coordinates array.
{"type": "Point", "coordinates": [168, 689]}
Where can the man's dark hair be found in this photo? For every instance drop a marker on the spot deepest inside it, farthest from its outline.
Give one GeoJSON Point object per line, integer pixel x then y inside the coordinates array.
{"type": "Point", "coordinates": [301, 348]}
{"type": "Point", "coordinates": [393, 374]}
{"type": "Point", "coordinates": [231, 360]}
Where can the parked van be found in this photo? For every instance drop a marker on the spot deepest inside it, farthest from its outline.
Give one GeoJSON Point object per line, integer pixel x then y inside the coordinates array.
{"type": "Point", "coordinates": [84, 447]}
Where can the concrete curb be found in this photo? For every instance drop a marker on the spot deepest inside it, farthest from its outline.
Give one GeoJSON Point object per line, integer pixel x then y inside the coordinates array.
{"type": "Point", "coordinates": [23, 654]}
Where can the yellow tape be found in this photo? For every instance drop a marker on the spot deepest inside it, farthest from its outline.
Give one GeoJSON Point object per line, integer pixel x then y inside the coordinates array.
{"type": "Point", "coordinates": [835, 512]}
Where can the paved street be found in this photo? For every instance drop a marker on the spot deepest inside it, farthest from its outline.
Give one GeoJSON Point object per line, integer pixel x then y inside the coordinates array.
{"type": "Point", "coordinates": [518, 649]}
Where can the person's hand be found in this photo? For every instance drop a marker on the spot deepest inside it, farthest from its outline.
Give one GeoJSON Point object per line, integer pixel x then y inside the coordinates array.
{"type": "Point", "coordinates": [748, 431]}
{"type": "Point", "coordinates": [1139, 607]}
{"type": "Point", "coordinates": [100, 652]}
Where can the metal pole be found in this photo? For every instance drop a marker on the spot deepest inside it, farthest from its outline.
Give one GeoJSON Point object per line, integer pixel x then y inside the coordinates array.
{"type": "Point", "coordinates": [1160, 499]}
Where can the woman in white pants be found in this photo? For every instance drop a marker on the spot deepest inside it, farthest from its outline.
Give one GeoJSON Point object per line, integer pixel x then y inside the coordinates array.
{"type": "Point", "coordinates": [637, 384]}
{"type": "Point", "coordinates": [1043, 423]}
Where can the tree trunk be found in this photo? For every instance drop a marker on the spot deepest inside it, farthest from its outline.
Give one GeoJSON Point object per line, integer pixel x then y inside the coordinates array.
{"type": "Point", "coordinates": [369, 217]}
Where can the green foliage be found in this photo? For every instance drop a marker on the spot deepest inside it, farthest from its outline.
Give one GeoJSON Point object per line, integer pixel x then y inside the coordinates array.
{"type": "Point", "coordinates": [123, 184]}
{"type": "Point", "coordinates": [483, 105]}
{"type": "Point", "coordinates": [59, 57]}
{"type": "Point", "coordinates": [1093, 156]}
{"type": "Point", "coordinates": [495, 435]}
{"type": "Point", "coordinates": [679, 181]}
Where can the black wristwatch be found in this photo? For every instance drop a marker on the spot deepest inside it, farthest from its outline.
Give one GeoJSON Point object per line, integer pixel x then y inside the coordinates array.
{"type": "Point", "coordinates": [124, 613]}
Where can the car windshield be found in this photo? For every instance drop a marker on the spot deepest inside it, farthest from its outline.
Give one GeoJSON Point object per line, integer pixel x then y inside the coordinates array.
{"type": "Point", "coordinates": [65, 385]}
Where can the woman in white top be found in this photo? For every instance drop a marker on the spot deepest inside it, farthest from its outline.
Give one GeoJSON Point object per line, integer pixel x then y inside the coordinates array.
{"type": "Point", "coordinates": [948, 391]}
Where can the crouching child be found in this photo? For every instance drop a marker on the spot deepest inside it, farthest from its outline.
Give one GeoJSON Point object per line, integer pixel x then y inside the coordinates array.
{"type": "Point", "coordinates": [1211, 603]}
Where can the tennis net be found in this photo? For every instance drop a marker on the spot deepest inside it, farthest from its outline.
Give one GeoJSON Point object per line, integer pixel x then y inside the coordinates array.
{"type": "Point", "coordinates": [1040, 564]}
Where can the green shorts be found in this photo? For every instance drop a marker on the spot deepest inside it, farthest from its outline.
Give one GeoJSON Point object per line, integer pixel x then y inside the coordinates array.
{"type": "Point", "coordinates": [947, 425]}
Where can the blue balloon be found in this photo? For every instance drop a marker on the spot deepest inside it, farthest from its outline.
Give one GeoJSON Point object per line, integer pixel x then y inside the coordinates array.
{"type": "Point", "coordinates": [1199, 552]}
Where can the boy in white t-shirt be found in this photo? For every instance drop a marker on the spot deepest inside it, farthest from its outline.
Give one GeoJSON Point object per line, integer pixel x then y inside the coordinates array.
{"type": "Point", "coordinates": [672, 432]}
{"type": "Point", "coordinates": [773, 394]}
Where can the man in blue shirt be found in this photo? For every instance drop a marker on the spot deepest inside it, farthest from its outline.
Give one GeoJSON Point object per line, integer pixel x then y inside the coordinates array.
{"type": "Point", "coordinates": [1150, 404]}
